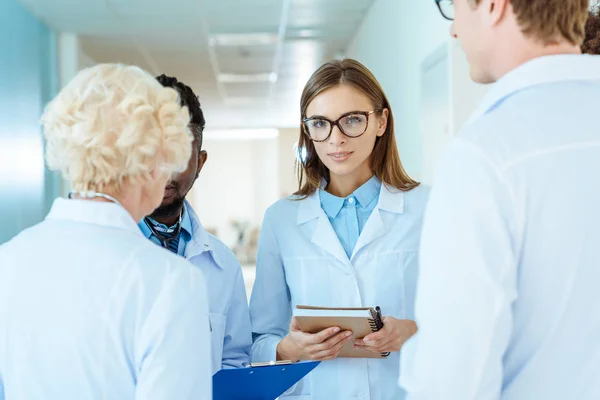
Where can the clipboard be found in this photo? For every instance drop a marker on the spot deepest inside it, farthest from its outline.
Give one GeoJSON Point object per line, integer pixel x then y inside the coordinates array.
{"type": "Point", "coordinates": [259, 381]}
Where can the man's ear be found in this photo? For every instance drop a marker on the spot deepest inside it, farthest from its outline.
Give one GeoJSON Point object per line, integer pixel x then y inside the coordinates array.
{"type": "Point", "coordinates": [202, 157]}
{"type": "Point", "coordinates": [495, 10]}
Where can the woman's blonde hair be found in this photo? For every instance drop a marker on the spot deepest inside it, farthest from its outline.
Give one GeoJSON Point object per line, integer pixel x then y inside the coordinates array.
{"type": "Point", "coordinates": [385, 160]}
{"type": "Point", "coordinates": [114, 124]}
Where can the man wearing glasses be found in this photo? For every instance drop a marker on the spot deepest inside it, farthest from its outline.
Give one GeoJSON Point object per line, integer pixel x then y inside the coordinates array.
{"type": "Point", "coordinates": [508, 301]}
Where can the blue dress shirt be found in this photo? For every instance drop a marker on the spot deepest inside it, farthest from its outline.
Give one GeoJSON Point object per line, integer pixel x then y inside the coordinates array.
{"type": "Point", "coordinates": [184, 236]}
{"type": "Point", "coordinates": [349, 215]}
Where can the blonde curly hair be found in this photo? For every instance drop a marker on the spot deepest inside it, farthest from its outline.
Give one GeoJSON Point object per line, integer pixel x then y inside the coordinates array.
{"type": "Point", "coordinates": [114, 124]}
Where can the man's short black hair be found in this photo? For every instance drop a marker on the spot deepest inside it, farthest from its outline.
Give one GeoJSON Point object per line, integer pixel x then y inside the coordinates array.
{"type": "Point", "coordinates": [591, 45]}
{"type": "Point", "coordinates": [189, 100]}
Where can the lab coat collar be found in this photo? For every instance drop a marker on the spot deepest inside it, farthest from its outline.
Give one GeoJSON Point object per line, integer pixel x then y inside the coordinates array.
{"type": "Point", "coordinates": [390, 199]}
{"type": "Point", "coordinates": [539, 71]}
{"type": "Point", "coordinates": [200, 241]}
{"type": "Point", "coordinates": [93, 212]}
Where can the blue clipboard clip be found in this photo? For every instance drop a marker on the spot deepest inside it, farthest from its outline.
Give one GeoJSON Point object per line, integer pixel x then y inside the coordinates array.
{"type": "Point", "coordinates": [260, 381]}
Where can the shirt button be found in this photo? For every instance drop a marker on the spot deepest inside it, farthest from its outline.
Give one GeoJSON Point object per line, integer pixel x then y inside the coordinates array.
{"type": "Point", "coordinates": [361, 396]}
{"type": "Point", "coordinates": [351, 200]}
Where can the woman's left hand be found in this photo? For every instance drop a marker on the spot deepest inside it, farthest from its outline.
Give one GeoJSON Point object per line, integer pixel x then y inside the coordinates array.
{"type": "Point", "coordinates": [390, 338]}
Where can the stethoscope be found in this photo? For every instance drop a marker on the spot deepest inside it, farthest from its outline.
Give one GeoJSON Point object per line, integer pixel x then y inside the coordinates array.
{"type": "Point", "coordinates": [90, 194]}
{"type": "Point", "coordinates": [164, 239]}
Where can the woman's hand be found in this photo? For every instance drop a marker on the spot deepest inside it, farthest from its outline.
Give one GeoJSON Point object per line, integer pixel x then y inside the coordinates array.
{"type": "Point", "coordinates": [321, 346]}
{"type": "Point", "coordinates": [390, 338]}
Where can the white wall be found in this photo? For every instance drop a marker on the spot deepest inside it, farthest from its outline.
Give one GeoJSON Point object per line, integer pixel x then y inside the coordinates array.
{"type": "Point", "coordinates": [265, 170]}
{"type": "Point", "coordinates": [239, 181]}
{"type": "Point", "coordinates": [225, 187]}
{"type": "Point", "coordinates": [392, 41]}
{"type": "Point", "coordinates": [288, 180]}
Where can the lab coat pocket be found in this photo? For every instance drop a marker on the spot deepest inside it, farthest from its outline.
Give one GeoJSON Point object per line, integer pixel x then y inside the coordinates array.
{"type": "Point", "coordinates": [217, 336]}
{"type": "Point", "coordinates": [311, 280]}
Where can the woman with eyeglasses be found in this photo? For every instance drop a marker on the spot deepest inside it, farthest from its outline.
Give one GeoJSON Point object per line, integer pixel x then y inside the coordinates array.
{"type": "Point", "coordinates": [349, 237]}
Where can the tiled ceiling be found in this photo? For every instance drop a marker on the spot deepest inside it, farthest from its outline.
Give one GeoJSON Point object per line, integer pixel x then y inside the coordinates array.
{"type": "Point", "coordinates": [246, 59]}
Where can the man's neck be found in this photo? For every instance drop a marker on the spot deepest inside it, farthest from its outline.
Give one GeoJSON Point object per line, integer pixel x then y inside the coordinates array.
{"type": "Point", "coordinates": [529, 51]}
{"type": "Point", "coordinates": [169, 219]}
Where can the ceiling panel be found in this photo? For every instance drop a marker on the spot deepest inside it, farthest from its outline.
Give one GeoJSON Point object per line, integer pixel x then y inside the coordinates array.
{"type": "Point", "coordinates": [235, 16]}
{"type": "Point", "coordinates": [245, 60]}
{"type": "Point", "coordinates": [249, 90]}
{"type": "Point", "coordinates": [173, 37]}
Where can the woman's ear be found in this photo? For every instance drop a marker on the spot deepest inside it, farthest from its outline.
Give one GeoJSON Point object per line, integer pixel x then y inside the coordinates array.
{"type": "Point", "coordinates": [382, 122]}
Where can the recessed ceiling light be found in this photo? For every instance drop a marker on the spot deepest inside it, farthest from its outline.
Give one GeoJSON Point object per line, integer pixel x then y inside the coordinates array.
{"type": "Point", "coordinates": [243, 39]}
{"type": "Point", "coordinates": [240, 134]}
{"type": "Point", "coordinates": [247, 78]}
{"type": "Point", "coordinates": [245, 101]}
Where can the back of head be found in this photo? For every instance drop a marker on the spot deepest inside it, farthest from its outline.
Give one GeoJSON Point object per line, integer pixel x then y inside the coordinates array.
{"type": "Point", "coordinates": [552, 21]}
{"type": "Point", "coordinates": [385, 160]}
{"type": "Point", "coordinates": [591, 44]}
{"type": "Point", "coordinates": [188, 99]}
{"type": "Point", "coordinates": [112, 126]}
{"type": "Point", "coordinates": [498, 36]}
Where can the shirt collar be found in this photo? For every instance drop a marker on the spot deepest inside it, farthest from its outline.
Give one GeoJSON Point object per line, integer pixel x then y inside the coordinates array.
{"type": "Point", "coordinates": [390, 199]}
{"type": "Point", "coordinates": [364, 195]}
{"type": "Point", "coordinates": [539, 71]}
{"type": "Point", "coordinates": [186, 226]}
{"type": "Point", "coordinates": [93, 212]}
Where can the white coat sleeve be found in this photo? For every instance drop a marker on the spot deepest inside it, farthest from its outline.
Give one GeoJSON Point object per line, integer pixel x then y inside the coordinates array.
{"type": "Point", "coordinates": [466, 284]}
{"type": "Point", "coordinates": [173, 350]}
{"type": "Point", "coordinates": [238, 335]}
{"type": "Point", "coordinates": [270, 306]}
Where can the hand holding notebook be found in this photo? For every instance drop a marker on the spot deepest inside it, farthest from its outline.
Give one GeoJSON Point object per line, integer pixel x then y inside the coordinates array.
{"type": "Point", "coordinates": [318, 346]}
{"type": "Point", "coordinates": [364, 323]}
{"type": "Point", "coordinates": [390, 338]}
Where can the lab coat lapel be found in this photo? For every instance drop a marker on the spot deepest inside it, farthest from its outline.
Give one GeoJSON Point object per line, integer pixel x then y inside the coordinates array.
{"type": "Point", "coordinates": [323, 234]}
{"type": "Point", "coordinates": [390, 200]}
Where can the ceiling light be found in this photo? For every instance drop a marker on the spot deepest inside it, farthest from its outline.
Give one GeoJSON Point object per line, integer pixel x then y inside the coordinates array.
{"type": "Point", "coordinates": [247, 78]}
{"type": "Point", "coordinates": [243, 39]}
{"type": "Point", "coordinates": [240, 134]}
{"type": "Point", "coordinates": [244, 101]}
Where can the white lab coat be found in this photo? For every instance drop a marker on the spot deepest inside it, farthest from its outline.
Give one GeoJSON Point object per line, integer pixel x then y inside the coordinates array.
{"type": "Point", "coordinates": [508, 301]}
{"type": "Point", "coordinates": [301, 261]}
{"type": "Point", "coordinates": [231, 336]}
{"type": "Point", "coordinates": [90, 309]}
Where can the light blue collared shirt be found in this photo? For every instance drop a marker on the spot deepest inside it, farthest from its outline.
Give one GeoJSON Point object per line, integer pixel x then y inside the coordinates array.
{"type": "Point", "coordinates": [507, 300]}
{"type": "Point", "coordinates": [349, 215]}
{"type": "Point", "coordinates": [184, 237]}
{"type": "Point", "coordinates": [231, 337]}
{"type": "Point", "coordinates": [90, 309]}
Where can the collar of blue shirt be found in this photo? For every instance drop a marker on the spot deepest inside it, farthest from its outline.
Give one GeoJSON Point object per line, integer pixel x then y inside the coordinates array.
{"type": "Point", "coordinates": [186, 226]}
{"type": "Point", "coordinates": [542, 70]}
{"type": "Point", "coordinates": [93, 212]}
{"type": "Point", "coordinates": [364, 195]}
{"type": "Point", "coordinates": [390, 199]}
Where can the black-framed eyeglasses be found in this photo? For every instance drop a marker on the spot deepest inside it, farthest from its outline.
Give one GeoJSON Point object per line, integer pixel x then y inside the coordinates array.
{"type": "Point", "coordinates": [446, 8]}
{"type": "Point", "coordinates": [352, 124]}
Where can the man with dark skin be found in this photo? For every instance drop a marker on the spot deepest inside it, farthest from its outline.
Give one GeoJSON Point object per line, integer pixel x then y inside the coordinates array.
{"type": "Point", "coordinates": [176, 227]}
